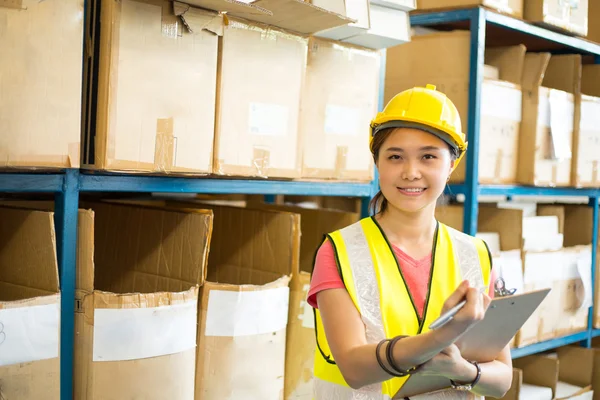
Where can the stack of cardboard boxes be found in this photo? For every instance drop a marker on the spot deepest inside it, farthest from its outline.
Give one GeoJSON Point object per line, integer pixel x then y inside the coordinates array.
{"type": "Point", "coordinates": [180, 88]}
{"type": "Point", "coordinates": [536, 247]}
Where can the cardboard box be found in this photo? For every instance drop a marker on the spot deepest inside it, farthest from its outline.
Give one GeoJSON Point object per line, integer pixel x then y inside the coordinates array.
{"type": "Point", "coordinates": [447, 67]}
{"type": "Point", "coordinates": [29, 305]}
{"type": "Point", "coordinates": [571, 16]}
{"type": "Point", "coordinates": [511, 7]}
{"type": "Point", "coordinates": [156, 88]}
{"type": "Point", "coordinates": [538, 371]}
{"type": "Point", "coordinates": [336, 6]}
{"type": "Point", "coordinates": [404, 5]}
{"type": "Point", "coordinates": [245, 302]}
{"type": "Point", "coordinates": [389, 27]}
{"type": "Point", "coordinates": [549, 85]}
{"type": "Point", "coordinates": [257, 121]}
{"type": "Point", "coordinates": [593, 14]}
{"type": "Point", "coordinates": [40, 107]}
{"type": "Point", "coordinates": [292, 15]}
{"type": "Point", "coordinates": [335, 105]}
{"type": "Point", "coordinates": [139, 271]}
{"type": "Point", "coordinates": [586, 139]}
{"type": "Point", "coordinates": [358, 11]}
{"type": "Point", "coordinates": [578, 371]}
{"type": "Point", "coordinates": [300, 344]}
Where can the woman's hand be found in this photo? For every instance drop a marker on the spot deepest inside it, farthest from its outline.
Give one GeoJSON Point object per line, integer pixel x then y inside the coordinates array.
{"type": "Point", "coordinates": [472, 312]}
{"type": "Point", "coordinates": [449, 363]}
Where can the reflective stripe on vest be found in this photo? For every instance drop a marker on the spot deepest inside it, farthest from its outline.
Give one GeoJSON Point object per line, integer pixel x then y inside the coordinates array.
{"type": "Point", "coordinates": [369, 270]}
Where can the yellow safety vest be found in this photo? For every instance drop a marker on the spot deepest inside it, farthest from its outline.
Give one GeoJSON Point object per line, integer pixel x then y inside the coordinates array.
{"type": "Point", "coordinates": [371, 274]}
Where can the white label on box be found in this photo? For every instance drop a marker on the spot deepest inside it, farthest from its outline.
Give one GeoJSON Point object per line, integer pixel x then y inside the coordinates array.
{"type": "Point", "coordinates": [29, 334]}
{"type": "Point", "coordinates": [136, 333]}
{"type": "Point", "coordinates": [340, 120]}
{"type": "Point", "coordinates": [501, 101]}
{"type": "Point", "coordinates": [268, 119]}
{"type": "Point", "coordinates": [562, 111]}
{"type": "Point", "coordinates": [590, 115]}
{"type": "Point", "coordinates": [247, 313]}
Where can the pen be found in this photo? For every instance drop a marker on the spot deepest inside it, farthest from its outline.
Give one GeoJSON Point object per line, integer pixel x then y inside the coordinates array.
{"type": "Point", "coordinates": [448, 315]}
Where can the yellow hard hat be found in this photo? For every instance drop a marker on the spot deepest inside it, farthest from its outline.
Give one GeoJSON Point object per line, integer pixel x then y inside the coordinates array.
{"type": "Point", "coordinates": [426, 109]}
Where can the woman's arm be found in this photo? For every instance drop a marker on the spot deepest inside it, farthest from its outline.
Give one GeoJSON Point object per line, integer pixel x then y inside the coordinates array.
{"type": "Point", "coordinates": [356, 359]}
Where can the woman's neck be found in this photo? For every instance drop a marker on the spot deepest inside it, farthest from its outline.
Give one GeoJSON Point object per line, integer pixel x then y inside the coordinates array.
{"type": "Point", "coordinates": [409, 231]}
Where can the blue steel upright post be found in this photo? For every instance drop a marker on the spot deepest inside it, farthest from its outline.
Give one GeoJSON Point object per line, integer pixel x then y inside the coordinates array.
{"type": "Point", "coordinates": [478, 23]}
{"type": "Point", "coordinates": [594, 205]}
{"type": "Point", "coordinates": [65, 220]}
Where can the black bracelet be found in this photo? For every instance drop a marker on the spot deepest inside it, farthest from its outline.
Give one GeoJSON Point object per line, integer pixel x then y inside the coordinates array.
{"type": "Point", "coordinates": [381, 364]}
{"type": "Point", "coordinates": [390, 358]}
{"type": "Point", "coordinates": [475, 382]}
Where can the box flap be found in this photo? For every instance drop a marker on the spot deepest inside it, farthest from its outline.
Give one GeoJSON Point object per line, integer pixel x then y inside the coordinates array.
{"type": "Point", "coordinates": [576, 365]}
{"type": "Point", "coordinates": [28, 257]}
{"type": "Point", "coordinates": [196, 19]}
{"type": "Point", "coordinates": [250, 246]}
{"type": "Point", "coordinates": [314, 224]}
{"type": "Point", "coordinates": [509, 60]}
{"type": "Point", "coordinates": [293, 15]}
{"type": "Point", "coordinates": [85, 251]}
{"type": "Point", "coordinates": [590, 80]}
{"type": "Point", "coordinates": [149, 249]}
{"type": "Point", "coordinates": [539, 370]}
{"type": "Point", "coordinates": [534, 69]}
{"type": "Point", "coordinates": [564, 73]}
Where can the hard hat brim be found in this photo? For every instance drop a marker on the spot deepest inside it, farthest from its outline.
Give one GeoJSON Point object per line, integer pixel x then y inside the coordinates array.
{"type": "Point", "coordinates": [440, 134]}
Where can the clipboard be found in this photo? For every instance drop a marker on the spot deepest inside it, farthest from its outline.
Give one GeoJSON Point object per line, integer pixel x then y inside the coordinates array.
{"type": "Point", "coordinates": [484, 341]}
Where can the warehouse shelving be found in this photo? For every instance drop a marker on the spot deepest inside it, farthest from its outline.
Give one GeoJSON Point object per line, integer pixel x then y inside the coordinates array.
{"type": "Point", "coordinates": [484, 24]}
{"type": "Point", "coordinates": [494, 29]}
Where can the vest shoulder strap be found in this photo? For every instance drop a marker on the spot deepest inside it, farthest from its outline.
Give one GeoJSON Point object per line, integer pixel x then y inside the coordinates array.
{"type": "Point", "coordinates": [467, 254]}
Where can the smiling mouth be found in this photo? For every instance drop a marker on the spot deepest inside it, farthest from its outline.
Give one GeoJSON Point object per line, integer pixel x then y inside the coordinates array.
{"type": "Point", "coordinates": [412, 190]}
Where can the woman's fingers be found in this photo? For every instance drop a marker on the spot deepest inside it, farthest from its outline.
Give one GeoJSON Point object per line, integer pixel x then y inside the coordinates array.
{"type": "Point", "coordinates": [457, 296]}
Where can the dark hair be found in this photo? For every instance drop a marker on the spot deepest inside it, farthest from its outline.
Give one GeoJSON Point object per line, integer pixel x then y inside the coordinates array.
{"type": "Point", "coordinates": [379, 203]}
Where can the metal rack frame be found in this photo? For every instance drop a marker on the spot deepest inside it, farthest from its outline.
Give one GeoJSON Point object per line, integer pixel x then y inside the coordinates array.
{"type": "Point", "coordinates": [68, 184]}
{"type": "Point", "coordinates": [479, 20]}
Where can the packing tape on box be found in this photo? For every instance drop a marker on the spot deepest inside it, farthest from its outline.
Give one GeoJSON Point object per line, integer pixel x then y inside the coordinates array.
{"type": "Point", "coordinates": [341, 160]}
{"type": "Point", "coordinates": [136, 333]}
{"type": "Point", "coordinates": [164, 149]}
{"type": "Point", "coordinates": [260, 161]}
{"type": "Point", "coordinates": [29, 333]}
{"type": "Point", "coordinates": [14, 4]}
{"type": "Point", "coordinates": [498, 166]}
{"type": "Point", "coordinates": [245, 313]}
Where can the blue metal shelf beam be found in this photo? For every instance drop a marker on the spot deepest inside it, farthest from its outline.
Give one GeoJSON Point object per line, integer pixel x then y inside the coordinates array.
{"type": "Point", "coordinates": [129, 183]}
{"type": "Point", "coordinates": [549, 344]}
{"type": "Point", "coordinates": [515, 190]}
{"type": "Point", "coordinates": [571, 43]}
{"type": "Point", "coordinates": [31, 183]}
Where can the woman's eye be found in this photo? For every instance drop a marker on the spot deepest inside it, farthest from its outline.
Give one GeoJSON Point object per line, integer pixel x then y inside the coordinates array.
{"type": "Point", "coordinates": [394, 157]}
{"type": "Point", "coordinates": [428, 156]}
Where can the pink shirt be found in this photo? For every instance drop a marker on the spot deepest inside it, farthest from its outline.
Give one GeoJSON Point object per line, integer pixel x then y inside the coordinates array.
{"type": "Point", "coordinates": [416, 274]}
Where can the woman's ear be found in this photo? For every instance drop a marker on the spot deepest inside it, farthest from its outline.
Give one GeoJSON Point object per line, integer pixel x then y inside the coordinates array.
{"type": "Point", "coordinates": [452, 166]}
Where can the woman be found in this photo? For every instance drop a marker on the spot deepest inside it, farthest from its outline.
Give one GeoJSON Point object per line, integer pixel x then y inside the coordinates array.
{"type": "Point", "coordinates": [378, 284]}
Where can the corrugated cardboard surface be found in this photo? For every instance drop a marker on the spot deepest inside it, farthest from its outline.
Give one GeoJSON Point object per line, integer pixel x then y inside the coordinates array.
{"type": "Point", "coordinates": [512, 7]}
{"type": "Point", "coordinates": [257, 121]}
{"type": "Point", "coordinates": [157, 87]}
{"type": "Point", "coordinates": [586, 140]}
{"type": "Point", "coordinates": [145, 257]}
{"type": "Point", "coordinates": [449, 71]}
{"type": "Point", "coordinates": [339, 99]}
{"type": "Point", "coordinates": [539, 370]}
{"type": "Point", "coordinates": [300, 346]}
{"type": "Point", "coordinates": [28, 278]}
{"type": "Point", "coordinates": [557, 14]}
{"type": "Point", "coordinates": [507, 222]}
{"type": "Point", "coordinates": [293, 15]}
{"type": "Point", "coordinates": [560, 77]}
{"type": "Point", "coordinates": [40, 82]}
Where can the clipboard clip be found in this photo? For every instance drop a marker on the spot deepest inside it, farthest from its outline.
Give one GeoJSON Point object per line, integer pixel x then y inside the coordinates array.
{"type": "Point", "coordinates": [500, 289]}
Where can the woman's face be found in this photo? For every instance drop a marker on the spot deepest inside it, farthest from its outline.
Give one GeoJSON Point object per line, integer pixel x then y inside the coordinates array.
{"type": "Point", "coordinates": [414, 167]}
